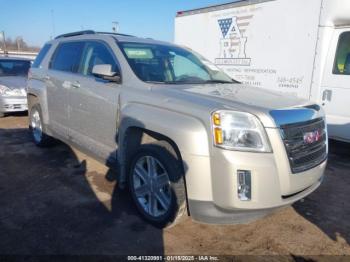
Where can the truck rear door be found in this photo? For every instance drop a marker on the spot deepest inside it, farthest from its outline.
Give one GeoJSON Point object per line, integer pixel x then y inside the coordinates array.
{"type": "Point", "coordinates": [335, 89]}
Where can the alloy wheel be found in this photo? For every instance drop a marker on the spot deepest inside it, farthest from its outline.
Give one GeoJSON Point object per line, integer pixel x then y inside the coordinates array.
{"type": "Point", "coordinates": [152, 186]}
{"type": "Point", "coordinates": [36, 125]}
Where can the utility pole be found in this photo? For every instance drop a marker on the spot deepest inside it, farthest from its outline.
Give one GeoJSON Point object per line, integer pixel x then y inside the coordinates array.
{"type": "Point", "coordinates": [4, 40]}
{"type": "Point", "coordinates": [18, 41]}
{"type": "Point", "coordinates": [115, 27]}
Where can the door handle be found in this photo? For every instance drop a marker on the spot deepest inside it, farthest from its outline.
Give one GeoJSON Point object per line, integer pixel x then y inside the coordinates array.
{"type": "Point", "coordinates": [66, 84]}
{"type": "Point", "coordinates": [76, 84]}
{"type": "Point", "coordinates": [327, 95]}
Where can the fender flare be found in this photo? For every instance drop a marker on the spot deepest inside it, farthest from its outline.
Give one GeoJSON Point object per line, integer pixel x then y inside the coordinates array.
{"type": "Point", "coordinates": [188, 133]}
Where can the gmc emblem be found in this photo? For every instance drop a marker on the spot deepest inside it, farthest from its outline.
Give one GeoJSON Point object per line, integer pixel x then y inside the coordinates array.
{"type": "Point", "coordinates": [312, 137]}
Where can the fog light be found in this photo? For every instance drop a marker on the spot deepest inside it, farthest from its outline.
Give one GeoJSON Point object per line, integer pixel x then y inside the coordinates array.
{"type": "Point", "coordinates": [244, 185]}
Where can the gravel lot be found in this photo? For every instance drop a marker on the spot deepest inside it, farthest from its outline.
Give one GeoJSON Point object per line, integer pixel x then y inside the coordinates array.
{"type": "Point", "coordinates": [60, 201]}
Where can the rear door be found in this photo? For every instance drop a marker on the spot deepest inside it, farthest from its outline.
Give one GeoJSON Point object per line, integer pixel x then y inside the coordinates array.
{"type": "Point", "coordinates": [93, 103]}
{"type": "Point", "coordinates": [60, 77]}
{"type": "Point", "coordinates": [335, 94]}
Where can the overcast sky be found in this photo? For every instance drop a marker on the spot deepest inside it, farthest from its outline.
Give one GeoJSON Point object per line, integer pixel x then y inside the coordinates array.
{"type": "Point", "coordinates": [38, 20]}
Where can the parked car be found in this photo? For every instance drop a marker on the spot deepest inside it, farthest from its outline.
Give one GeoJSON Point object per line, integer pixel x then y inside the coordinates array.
{"type": "Point", "coordinates": [13, 79]}
{"type": "Point", "coordinates": [302, 52]}
{"type": "Point", "coordinates": [183, 136]}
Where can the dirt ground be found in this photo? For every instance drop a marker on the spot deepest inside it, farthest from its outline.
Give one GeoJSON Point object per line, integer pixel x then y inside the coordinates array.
{"type": "Point", "coordinates": [60, 201]}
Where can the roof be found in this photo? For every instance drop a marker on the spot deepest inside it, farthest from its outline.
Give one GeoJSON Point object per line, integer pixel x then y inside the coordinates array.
{"type": "Point", "coordinates": [2, 57]}
{"type": "Point", "coordinates": [88, 32]}
{"type": "Point", "coordinates": [81, 35]}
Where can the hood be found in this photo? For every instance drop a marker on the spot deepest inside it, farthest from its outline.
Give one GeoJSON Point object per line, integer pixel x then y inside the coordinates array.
{"type": "Point", "coordinates": [248, 96]}
{"type": "Point", "coordinates": [257, 101]}
{"type": "Point", "coordinates": [14, 82]}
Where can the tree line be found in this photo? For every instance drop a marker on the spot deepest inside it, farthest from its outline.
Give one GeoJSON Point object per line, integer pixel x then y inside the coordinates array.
{"type": "Point", "coordinates": [17, 44]}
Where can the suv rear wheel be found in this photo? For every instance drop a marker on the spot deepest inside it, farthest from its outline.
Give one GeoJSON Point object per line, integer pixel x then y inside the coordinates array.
{"type": "Point", "coordinates": [37, 128]}
{"type": "Point", "coordinates": [157, 186]}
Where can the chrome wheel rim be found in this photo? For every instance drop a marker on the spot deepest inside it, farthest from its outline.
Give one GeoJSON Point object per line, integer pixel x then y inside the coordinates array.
{"type": "Point", "coordinates": [152, 186]}
{"type": "Point", "coordinates": [36, 125]}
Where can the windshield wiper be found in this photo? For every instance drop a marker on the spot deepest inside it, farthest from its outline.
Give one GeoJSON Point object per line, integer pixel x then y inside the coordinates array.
{"type": "Point", "coordinates": [218, 82]}
{"type": "Point", "coordinates": [193, 83]}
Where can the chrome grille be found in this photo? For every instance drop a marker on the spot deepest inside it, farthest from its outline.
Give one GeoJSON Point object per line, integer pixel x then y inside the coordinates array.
{"type": "Point", "coordinates": [305, 143]}
{"type": "Point", "coordinates": [14, 106]}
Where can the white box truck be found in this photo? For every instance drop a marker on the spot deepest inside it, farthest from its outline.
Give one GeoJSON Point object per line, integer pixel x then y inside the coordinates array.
{"type": "Point", "coordinates": [293, 46]}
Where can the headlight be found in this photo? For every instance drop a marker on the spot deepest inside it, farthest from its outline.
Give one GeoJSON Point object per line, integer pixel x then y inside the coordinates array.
{"type": "Point", "coordinates": [239, 131]}
{"type": "Point", "coordinates": [4, 90]}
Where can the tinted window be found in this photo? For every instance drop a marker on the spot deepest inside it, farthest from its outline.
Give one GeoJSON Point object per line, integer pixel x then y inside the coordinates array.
{"type": "Point", "coordinates": [41, 55]}
{"type": "Point", "coordinates": [171, 64]}
{"type": "Point", "coordinates": [342, 59]}
{"type": "Point", "coordinates": [67, 57]}
{"type": "Point", "coordinates": [10, 67]}
{"type": "Point", "coordinates": [96, 53]}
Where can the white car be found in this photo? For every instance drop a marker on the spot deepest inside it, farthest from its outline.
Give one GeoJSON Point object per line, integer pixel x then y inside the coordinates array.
{"type": "Point", "coordinates": [13, 79]}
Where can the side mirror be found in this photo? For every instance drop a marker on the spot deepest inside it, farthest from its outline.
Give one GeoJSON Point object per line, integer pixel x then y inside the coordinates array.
{"type": "Point", "coordinates": [105, 72]}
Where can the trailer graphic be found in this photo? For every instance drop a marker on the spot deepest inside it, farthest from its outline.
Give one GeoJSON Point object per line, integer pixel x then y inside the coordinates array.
{"type": "Point", "coordinates": [233, 41]}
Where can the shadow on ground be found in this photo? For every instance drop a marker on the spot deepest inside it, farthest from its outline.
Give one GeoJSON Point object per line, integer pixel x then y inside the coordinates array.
{"type": "Point", "coordinates": [48, 205]}
{"type": "Point", "coordinates": [24, 113]}
{"type": "Point", "coordinates": [329, 207]}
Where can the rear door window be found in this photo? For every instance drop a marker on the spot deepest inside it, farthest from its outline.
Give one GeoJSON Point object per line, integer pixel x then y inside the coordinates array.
{"type": "Point", "coordinates": [342, 58]}
{"type": "Point", "coordinates": [67, 57]}
{"type": "Point", "coordinates": [40, 57]}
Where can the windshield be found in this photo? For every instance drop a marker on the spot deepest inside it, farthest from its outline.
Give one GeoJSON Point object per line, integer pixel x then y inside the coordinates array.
{"type": "Point", "coordinates": [171, 65]}
{"type": "Point", "coordinates": [10, 67]}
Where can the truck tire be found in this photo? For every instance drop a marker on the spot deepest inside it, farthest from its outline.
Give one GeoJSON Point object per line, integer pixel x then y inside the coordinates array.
{"type": "Point", "coordinates": [37, 129]}
{"type": "Point", "coordinates": [156, 184]}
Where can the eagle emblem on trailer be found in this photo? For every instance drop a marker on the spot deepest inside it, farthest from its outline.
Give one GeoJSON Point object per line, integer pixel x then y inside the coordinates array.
{"type": "Point", "coordinates": [233, 40]}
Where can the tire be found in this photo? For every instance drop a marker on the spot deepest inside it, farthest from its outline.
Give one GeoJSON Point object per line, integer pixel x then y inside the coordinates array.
{"type": "Point", "coordinates": [37, 129]}
{"type": "Point", "coordinates": [161, 200]}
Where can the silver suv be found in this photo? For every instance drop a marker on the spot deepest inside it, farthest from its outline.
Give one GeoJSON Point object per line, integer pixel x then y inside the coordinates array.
{"type": "Point", "coordinates": [182, 135]}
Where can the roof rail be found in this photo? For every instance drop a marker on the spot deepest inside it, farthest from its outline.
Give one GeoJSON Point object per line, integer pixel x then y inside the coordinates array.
{"type": "Point", "coordinates": [85, 32]}
{"type": "Point", "coordinates": [89, 32]}
{"type": "Point", "coordinates": [112, 33]}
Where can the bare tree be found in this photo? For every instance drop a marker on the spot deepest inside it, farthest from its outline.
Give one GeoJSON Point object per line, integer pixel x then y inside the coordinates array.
{"type": "Point", "coordinates": [19, 44]}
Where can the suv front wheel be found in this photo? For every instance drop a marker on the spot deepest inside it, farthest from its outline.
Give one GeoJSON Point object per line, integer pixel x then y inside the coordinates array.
{"type": "Point", "coordinates": [156, 184]}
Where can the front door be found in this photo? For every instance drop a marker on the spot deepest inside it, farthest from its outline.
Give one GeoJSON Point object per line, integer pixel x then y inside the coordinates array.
{"type": "Point", "coordinates": [335, 91]}
{"type": "Point", "coordinates": [94, 103]}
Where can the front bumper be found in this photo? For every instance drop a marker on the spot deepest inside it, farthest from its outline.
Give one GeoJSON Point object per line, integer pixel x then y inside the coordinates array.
{"type": "Point", "coordinates": [10, 104]}
{"type": "Point", "coordinates": [209, 212]}
{"type": "Point", "coordinates": [272, 182]}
